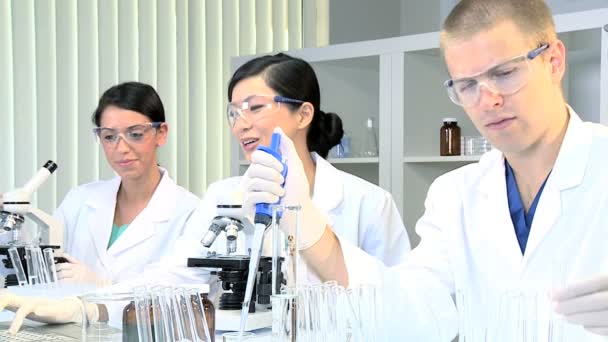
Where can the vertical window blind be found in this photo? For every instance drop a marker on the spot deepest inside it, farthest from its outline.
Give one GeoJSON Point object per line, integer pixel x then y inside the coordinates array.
{"type": "Point", "coordinates": [57, 57]}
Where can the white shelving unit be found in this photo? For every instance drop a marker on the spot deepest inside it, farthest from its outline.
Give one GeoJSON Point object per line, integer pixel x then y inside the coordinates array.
{"type": "Point", "coordinates": [398, 82]}
{"type": "Point", "coordinates": [440, 159]}
{"type": "Point", "coordinates": [334, 161]}
{"type": "Point", "coordinates": [337, 161]}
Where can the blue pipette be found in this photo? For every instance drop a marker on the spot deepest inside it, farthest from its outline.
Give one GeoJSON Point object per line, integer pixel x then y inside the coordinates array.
{"type": "Point", "coordinates": [263, 219]}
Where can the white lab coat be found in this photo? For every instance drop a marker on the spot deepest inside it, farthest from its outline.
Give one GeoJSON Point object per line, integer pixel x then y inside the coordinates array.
{"type": "Point", "coordinates": [469, 243]}
{"type": "Point", "coordinates": [359, 211]}
{"type": "Point", "coordinates": [362, 213]}
{"type": "Point", "coordinates": [87, 213]}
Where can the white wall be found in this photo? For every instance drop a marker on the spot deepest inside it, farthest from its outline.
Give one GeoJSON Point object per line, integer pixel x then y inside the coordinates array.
{"type": "Point", "coordinates": [357, 20]}
{"type": "Point", "coordinates": [421, 16]}
{"type": "Point", "coordinates": [564, 6]}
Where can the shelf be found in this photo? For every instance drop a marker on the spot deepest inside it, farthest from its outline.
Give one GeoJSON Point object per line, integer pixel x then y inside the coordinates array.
{"type": "Point", "coordinates": [440, 159]}
{"type": "Point", "coordinates": [370, 160]}
{"type": "Point", "coordinates": [366, 160]}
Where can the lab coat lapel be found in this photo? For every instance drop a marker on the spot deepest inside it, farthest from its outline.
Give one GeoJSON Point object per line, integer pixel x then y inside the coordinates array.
{"type": "Point", "coordinates": [568, 172]}
{"type": "Point", "coordinates": [328, 190]}
{"type": "Point", "coordinates": [102, 205]}
{"type": "Point", "coordinates": [493, 207]}
{"type": "Point", "coordinates": [145, 225]}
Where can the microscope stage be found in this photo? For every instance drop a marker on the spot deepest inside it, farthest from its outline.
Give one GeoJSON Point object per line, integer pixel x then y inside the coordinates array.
{"type": "Point", "coordinates": [230, 320]}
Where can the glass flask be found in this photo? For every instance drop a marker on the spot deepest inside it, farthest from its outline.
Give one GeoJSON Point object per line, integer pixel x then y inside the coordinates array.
{"type": "Point", "coordinates": [370, 141]}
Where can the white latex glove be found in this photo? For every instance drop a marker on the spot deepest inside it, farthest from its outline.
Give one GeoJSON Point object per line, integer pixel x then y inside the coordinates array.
{"type": "Point", "coordinates": [263, 185]}
{"type": "Point", "coordinates": [67, 310]}
{"type": "Point", "coordinates": [77, 272]}
{"type": "Point", "coordinates": [585, 303]}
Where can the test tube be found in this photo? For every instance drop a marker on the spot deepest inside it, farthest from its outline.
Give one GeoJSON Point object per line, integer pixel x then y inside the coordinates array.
{"type": "Point", "coordinates": [30, 263]}
{"type": "Point", "coordinates": [158, 318]}
{"type": "Point", "coordinates": [165, 313]}
{"type": "Point", "coordinates": [142, 314]}
{"type": "Point", "coordinates": [41, 266]}
{"type": "Point", "coordinates": [204, 317]}
{"type": "Point", "coordinates": [18, 266]}
{"type": "Point", "coordinates": [174, 298]}
{"type": "Point", "coordinates": [49, 258]}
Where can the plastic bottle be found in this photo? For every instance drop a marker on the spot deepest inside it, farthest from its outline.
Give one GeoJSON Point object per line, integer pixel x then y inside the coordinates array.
{"type": "Point", "coordinates": [449, 138]}
{"type": "Point", "coordinates": [345, 147]}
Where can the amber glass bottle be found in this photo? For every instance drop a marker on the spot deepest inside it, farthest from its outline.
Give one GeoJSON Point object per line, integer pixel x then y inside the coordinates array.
{"type": "Point", "coordinates": [449, 138]}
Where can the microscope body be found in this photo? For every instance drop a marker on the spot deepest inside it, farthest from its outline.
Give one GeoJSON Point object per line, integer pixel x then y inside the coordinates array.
{"type": "Point", "coordinates": [232, 269]}
{"type": "Point", "coordinates": [15, 207]}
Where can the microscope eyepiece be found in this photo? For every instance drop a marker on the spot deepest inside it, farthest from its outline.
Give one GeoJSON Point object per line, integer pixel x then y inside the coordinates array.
{"type": "Point", "coordinates": [50, 165]}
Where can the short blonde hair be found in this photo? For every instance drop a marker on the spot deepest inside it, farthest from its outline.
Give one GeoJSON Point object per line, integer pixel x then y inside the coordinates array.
{"type": "Point", "coordinates": [468, 17]}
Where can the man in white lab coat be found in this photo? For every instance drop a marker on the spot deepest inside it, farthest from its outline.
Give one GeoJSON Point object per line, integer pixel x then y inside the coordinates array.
{"type": "Point", "coordinates": [531, 216]}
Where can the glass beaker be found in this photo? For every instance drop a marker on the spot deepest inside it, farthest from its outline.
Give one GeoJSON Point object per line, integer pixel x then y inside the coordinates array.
{"type": "Point", "coordinates": [103, 331]}
{"type": "Point", "coordinates": [283, 317]}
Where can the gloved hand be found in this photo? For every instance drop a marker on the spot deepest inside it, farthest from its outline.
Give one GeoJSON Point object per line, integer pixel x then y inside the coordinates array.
{"type": "Point", "coordinates": [585, 303]}
{"type": "Point", "coordinates": [263, 185]}
{"type": "Point", "coordinates": [67, 310]}
{"type": "Point", "coordinates": [77, 272]}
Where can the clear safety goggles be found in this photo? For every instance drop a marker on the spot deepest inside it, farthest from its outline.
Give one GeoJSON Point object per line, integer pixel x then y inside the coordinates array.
{"type": "Point", "coordinates": [506, 78]}
{"type": "Point", "coordinates": [132, 134]}
{"type": "Point", "coordinates": [256, 106]}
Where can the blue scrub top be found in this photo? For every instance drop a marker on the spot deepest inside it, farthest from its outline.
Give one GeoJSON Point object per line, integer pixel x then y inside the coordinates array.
{"type": "Point", "coordinates": [522, 221]}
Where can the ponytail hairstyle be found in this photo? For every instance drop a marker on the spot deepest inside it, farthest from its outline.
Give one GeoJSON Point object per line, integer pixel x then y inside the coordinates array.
{"type": "Point", "coordinates": [294, 78]}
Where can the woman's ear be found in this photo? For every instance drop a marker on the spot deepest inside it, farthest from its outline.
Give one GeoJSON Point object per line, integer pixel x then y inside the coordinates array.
{"type": "Point", "coordinates": [306, 112]}
{"type": "Point", "coordinates": [161, 134]}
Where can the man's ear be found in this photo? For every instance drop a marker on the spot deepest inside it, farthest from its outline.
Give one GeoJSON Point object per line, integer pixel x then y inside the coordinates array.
{"type": "Point", "coordinates": [557, 61]}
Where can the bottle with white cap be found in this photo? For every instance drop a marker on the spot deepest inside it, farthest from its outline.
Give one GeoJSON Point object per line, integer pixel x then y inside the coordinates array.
{"type": "Point", "coordinates": [449, 138]}
{"type": "Point", "coordinates": [370, 143]}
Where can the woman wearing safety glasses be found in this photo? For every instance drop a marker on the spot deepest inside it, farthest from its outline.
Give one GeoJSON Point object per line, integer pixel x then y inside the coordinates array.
{"type": "Point", "coordinates": [265, 93]}
{"type": "Point", "coordinates": [114, 228]}
{"type": "Point", "coordinates": [281, 91]}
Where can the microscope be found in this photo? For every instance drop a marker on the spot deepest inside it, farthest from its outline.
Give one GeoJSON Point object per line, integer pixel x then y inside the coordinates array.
{"type": "Point", "coordinates": [15, 206]}
{"type": "Point", "coordinates": [232, 269]}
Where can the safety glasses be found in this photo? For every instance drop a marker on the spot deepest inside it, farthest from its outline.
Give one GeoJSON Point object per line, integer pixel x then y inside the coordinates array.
{"type": "Point", "coordinates": [132, 134]}
{"type": "Point", "coordinates": [255, 107]}
{"type": "Point", "coordinates": [505, 78]}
